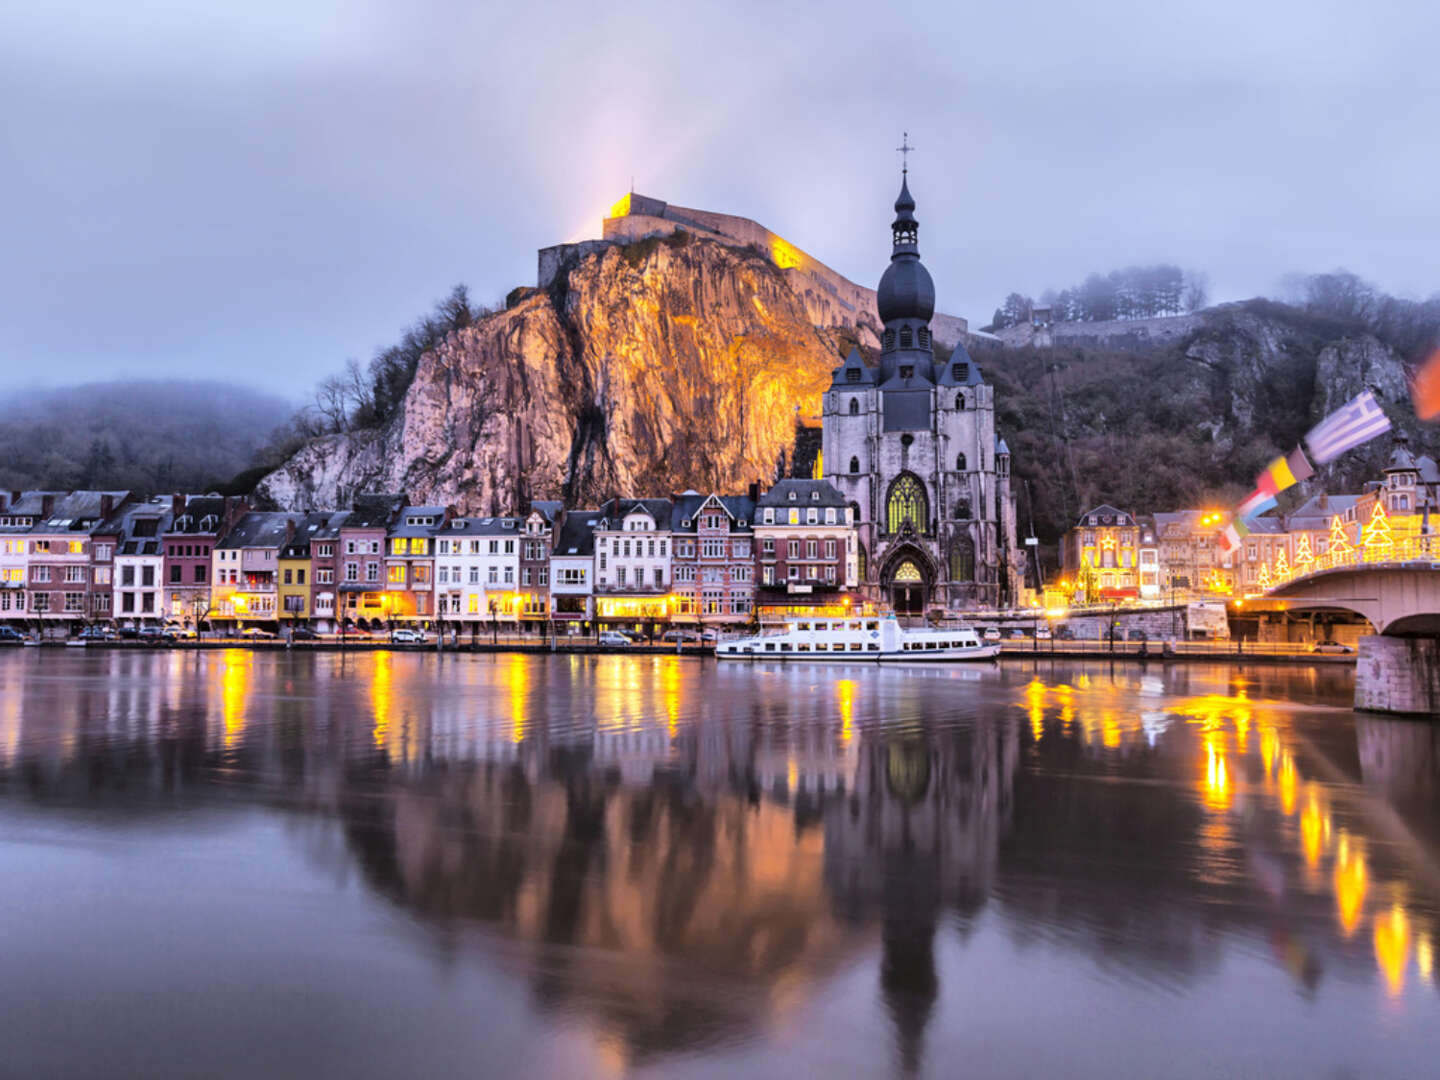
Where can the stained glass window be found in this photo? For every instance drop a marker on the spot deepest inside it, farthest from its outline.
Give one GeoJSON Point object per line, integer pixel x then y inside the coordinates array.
{"type": "Point", "coordinates": [907, 503]}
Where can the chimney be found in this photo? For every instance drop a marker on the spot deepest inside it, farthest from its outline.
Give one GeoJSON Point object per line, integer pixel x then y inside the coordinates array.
{"type": "Point", "coordinates": [445, 518]}
{"type": "Point", "coordinates": [15, 497]}
{"type": "Point", "coordinates": [1324, 500]}
{"type": "Point", "coordinates": [107, 505]}
{"type": "Point", "coordinates": [289, 530]}
{"type": "Point", "coordinates": [754, 490]}
{"type": "Point", "coordinates": [177, 504]}
{"type": "Point", "coordinates": [47, 504]}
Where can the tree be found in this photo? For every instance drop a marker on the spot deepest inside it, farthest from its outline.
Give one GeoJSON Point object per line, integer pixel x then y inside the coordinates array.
{"type": "Point", "coordinates": [1016, 309]}
{"type": "Point", "coordinates": [1340, 549]}
{"type": "Point", "coordinates": [1197, 292]}
{"type": "Point", "coordinates": [1376, 538]}
{"type": "Point", "coordinates": [1096, 299]}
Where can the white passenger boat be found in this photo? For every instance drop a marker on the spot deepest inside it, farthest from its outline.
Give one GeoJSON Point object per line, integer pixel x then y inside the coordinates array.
{"type": "Point", "coordinates": [869, 637]}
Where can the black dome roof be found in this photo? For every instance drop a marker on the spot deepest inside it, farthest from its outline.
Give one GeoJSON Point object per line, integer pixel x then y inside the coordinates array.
{"type": "Point", "coordinates": [906, 291]}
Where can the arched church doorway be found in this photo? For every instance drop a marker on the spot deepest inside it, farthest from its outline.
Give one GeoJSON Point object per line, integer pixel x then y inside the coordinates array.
{"type": "Point", "coordinates": [908, 588]}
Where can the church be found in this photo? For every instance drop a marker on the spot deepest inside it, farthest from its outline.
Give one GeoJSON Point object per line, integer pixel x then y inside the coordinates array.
{"type": "Point", "coordinates": [911, 443]}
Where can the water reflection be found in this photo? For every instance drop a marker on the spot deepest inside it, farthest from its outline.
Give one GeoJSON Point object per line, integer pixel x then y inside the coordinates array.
{"type": "Point", "coordinates": [686, 854]}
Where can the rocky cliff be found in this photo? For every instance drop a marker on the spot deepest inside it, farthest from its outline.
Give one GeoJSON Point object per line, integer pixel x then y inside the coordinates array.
{"type": "Point", "coordinates": [650, 367]}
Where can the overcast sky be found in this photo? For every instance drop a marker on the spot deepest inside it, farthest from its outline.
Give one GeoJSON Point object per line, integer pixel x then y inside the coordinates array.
{"type": "Point", "coordinates": [256, 191]}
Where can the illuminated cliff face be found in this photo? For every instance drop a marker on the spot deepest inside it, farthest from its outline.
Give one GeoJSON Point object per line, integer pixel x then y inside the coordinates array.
{"type": "Point", "coordinates": [659, 366]}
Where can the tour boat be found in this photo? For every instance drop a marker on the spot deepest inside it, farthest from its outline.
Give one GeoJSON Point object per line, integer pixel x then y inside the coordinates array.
{"type": "Point", "coordinates": [868, 637]}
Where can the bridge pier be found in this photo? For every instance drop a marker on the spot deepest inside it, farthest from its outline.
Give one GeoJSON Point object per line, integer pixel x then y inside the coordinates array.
{"type": "Point", "coordinates": [1398, 675]}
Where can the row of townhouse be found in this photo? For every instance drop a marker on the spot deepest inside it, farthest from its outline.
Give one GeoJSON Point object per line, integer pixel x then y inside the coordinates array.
{"type": "Point", "coordinates": [197, 560]}
{"type": "Point", "coordinates": [1110, 554]}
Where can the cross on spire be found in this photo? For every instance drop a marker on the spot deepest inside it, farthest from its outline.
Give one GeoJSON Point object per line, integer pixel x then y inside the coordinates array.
{"type": "Point", "coordinates": [904, 151]}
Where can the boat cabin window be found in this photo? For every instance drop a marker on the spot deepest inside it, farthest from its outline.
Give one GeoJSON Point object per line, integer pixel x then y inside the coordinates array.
{"type": "Point", "coordinates": [803, 647]}
{"type": "Point", "coordinates": [820, 646]}
{"type": "Point", "coordinates": [770, 647]}
{"type": "Point", "coordinates": [785, 646]}
{"type": "Point", "coordinates": [854, 646]}
{"type": "Point", "coordinates": [872, 625]}
{"type": "Point", "coordinates": [802, 626]}
{"type": "Point", "coordinates": [872, 647]}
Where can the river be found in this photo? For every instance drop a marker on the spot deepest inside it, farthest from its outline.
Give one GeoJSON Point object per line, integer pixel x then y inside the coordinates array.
{"type": "Point", "coordinates": [226, 863]}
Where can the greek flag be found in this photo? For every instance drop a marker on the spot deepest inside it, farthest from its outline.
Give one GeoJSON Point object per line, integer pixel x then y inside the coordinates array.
{"type": "Point", "coordinates": [1359, 421]}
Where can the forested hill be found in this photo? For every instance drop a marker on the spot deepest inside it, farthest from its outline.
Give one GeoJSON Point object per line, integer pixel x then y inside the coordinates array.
{"type": "Point", "coordinates": [146, 436]}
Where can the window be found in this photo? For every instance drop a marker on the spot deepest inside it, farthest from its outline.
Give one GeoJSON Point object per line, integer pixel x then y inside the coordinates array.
{"type": "Point", "coordinates": [77, 547]}
{"type": "Point", "coordinates": [829, 549]}
{"type": "Point", "coordinates": [397, 574]}
{"type": "Point", "coordinates": [324, 576]}
{"type": "Point", "coordinates": [372, 572]}
{"type": "Point", "coordinates": [398, 546]}
{"type": "Point", "coordinates": [288, 575]}
{"type": "Point", "coordinates": [907, 504]}
{"type": "Point", "coordinates": [854, 406]}
{"type": "Point", "coordinates": [907, 371]}
{"type": "Point", "coordinates": [830, 515]}
{"type": "Point", "coordinates": [767, 547]}
{"type": "Point", "coordinates": [961, 374]}
{"type": "Point", "coordinates": [352, 571]}
{"type": "Point", "coordinates": [544, 575]}
{"type": "Point", "coordinates": [494, 547]}
{"type": "Point", "coordinates": [324, 551]}
{"type": "Point", "coordinates": [769, 516]}
{"type": "Point", "coordinates": [102, 575]}
{"type": "Point", "coordinates": [812, 549]}
{"type": "Point", "coordinates": [175, 574]}
{"type": "Point", "coordinates": [42, 574]}
{"type": "Point", "coordinates": [422, 575]}
{"type": "Point", "coordinates": [102, 552]}
{"type": "Point", "coordinates": [854, 467]}
{"type": "Point", "coordinates": [906, 340]}
{"type": "Point", "coordinates": [74, 574]}
{"type": "Point", "coordinates": [475, 574]}
{"type": "Point", "coordinates": [960, 463]}
{"type": "Point", "coordinates": [127, 601]}
{"type": "Point", "coordinates": [492, 574]}
{"type": "Point", "coordinates": [525, 575]}
{"type": "Point", "coordinates": [852, 374]}
{"type": "Point", "coordinates": [75, 601]}
{"type": "Point", "coordinates": [570, 575]}
{"type": "Point", "coordinates": [417, 546]}
{"type": "Point", "coordinates": [740, 573]}
{"type": "Point", "coordinates": [812, 516]}
{"type": "Point", "coordinates": [793, 549]}
{"type": "Point", "coordinates": [768, 575]}
{"type": "Point", "coordinates": [127, 576]}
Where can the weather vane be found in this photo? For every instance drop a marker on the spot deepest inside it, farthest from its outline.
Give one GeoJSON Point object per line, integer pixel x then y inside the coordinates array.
{"type": "Point", "coordinates": [904, 150]}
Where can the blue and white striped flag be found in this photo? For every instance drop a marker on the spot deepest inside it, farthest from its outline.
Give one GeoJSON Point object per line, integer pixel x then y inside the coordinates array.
{"type": "Point", "coordinates": [1359, 421]}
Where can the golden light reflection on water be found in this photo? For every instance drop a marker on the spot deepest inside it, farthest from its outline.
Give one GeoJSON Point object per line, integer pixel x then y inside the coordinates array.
{"type": "Point", "coordinates": [1314, 827]}
{"type": "Point", "coordinates": [1351, 879]}
{"type": "Point", "coordinates": [1425, 958]}
{"type": "Point", "coordinates": [845, 698]}
{"type": "Point", "coordinates": [235, 674]}
{"type": "Point", "coordinates": [381, 674]}
{"type": "Point", "coordinates": [1392, 946]}
{"type": "Point", "coordinates": [517, 685]}
{"type": "Point", "coordinates": [670, 692]}
{"type": "Point", "coordinates": [1216, 789]}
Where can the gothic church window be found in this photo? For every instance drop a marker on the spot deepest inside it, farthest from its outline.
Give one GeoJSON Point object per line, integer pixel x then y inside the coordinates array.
{"type": "Point", "coordinates": [959, 401]}
{"type": "Point", "coordinates": [962, 509]}
{"type": "Point", "coordinates": [907, 504]}
{"type": "Point", "coordinates": [854, 464]}
{"type": "Point", "coordinates": [960, 463]}
{"type": "Point", "coordinates": [854, 406]}
{"type": "Point", "coordinates": [962, 560]}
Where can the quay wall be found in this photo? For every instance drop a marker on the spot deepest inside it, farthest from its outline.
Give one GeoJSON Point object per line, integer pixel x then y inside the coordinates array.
{"type": "Point", "coordinates": [1398, 675]}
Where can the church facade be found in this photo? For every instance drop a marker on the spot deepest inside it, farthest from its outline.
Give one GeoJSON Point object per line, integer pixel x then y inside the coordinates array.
{"type": "Point", "coordinates": [911, 443]}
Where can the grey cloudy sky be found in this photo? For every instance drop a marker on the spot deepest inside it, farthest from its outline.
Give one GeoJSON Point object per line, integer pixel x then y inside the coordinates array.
{"type": "Point", "coordinates": [255, 191]}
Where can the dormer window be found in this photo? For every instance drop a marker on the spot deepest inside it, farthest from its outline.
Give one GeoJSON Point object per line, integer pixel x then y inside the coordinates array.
{"type": "Point", "coordinates": [852, 374]}
{"type": "Point", "coordinates": [814, 496]}
{"type": "Point", "coordinates": [792, 496]}
{"type": "Point", "coordinates": [960, 372]}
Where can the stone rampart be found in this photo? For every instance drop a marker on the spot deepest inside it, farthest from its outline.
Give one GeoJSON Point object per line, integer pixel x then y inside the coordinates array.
{"type": "Point", "coordinates": [1121, 334]}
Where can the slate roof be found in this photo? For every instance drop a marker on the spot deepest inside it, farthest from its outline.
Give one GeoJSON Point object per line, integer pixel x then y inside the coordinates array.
{"type": "Point", "coordinates": [549, 509]}
{"type": "Point", "coordinates": [259, 529]}
{"type": "Point", "coordinates": [209, 509]}
{"type": "Point", "coordinates": [1311, 515]}
{"type": "Point", "coordinates": [400, 528]}
{"type": "Point", "coordinates": [740, 508]}
{"type": "Point", "coordinates": [316, 525]}
{"type": "Point", "coordinates": [373, 510]}
{"type": "Point", "coordinates": [853, 362]}
{"type": "Point", "coordinates": [78, 511]}
{"type": "Point", "coordinates": [138, 526]}
{"type": "Point", "coordinates": [1117, 517]}
{"type": "Point", "coordinates": [779, 495]}
{"type": "Point", "coordinates": [576, 536]}
{"type": "Point", "coordinates": [945, 373]}
{"type": "Point", "coordinates": [488, 526]}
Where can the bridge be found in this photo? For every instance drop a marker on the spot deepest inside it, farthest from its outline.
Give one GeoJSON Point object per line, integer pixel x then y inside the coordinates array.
{"type": "Point", "coordinates": [1396, 587]}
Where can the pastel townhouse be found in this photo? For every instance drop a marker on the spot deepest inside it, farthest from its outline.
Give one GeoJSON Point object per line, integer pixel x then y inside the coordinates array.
{"type": "Point", "coordinates": [632, 562]}
{"type": "Point", "coordinates": [197, 524]}
{"type": "Point", "coordinates": [246, 572]}
{"type": "Point", "coordinates": [20, 512]}
{"type": "Point", "coordinates": [535, 546]}
{"type": "Point", "coordinates": [807, 553]}
{"type": "Point", "coordinates": [572, 568]}
{"type": "Point", "coordinates": [362, 594]}
{"type": "Point", "coordinates": [714, 557]}
{"type": "Point", "coordinates": [138, 570]}
{"type": "Point", "coordinates": [64, 560]}
{"type": "Point", "coordinates": [322, 531]}
{"type": "Point", "coordinates": [410, 563]}
{"type": "Point", "coordinates": [477, 571]}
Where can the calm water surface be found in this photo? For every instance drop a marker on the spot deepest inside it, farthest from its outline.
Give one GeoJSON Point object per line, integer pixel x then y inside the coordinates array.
{"type": "Point", "coordinates": [235, 864]}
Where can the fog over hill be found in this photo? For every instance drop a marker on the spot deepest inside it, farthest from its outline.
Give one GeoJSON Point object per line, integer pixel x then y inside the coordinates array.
{"type": "Point", "coordinates": [149, 436]}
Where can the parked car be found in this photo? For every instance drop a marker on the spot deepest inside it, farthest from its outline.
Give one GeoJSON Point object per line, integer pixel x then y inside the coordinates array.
{"type": "Point", "coordinates": [10, 636]}
{"type": "Point", "coordinates": [1017, 634]}
{"type": "Point", "coordinates": [130, 632]}
{"type": "Point", "coordinates": [684, 637]}
{"type": "Point", "coordinates": [1064, 633]}
{"type": "Point", "coordinates": [1331, 647]}
{"type": "Point", "coordinates": [1042, 634]}
{"type": "Point", "coordinates": [256, 633]}
{"type": "Point", "coordinates": [155, 635]}
{"type": "Point", "coordinates": [709, 637]}
{"type": "Point", "coordinates": [992, 633]}
{"type": "Point", "coordinates": [1136, 635]}
{"type": "Point", "coordinates": [634, 635]}
{"type": "Point", "coordinates": [613, 637]}
{"type": "Point", "coordinates": [97, 633]}
{"type": "Point", "coordinates": [181, 633]}
{"type": "Point", "coordinates": [303, 633]}
{"type": "Point", "coordinates": [407, 636]}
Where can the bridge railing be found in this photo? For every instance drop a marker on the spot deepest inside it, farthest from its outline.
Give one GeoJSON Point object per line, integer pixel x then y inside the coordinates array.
{"type": "Point", "coordinates": [1405, 550]}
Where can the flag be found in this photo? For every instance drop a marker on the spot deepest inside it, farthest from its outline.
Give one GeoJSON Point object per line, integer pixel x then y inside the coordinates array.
{"type": "Point", "coordinates": [1236, 531]}
{"type": "Point", "coordinates": [1425, 390]}
{"type": "Point", "coordinates": [1284, 472]}
{"type": "Point", "coordinates": [1259, 501]}
{"type": "Point", "coordinates": [1357, 422]}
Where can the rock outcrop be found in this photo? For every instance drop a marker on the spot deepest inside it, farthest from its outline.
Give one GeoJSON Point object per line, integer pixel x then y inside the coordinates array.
{"type": "Point", "coordinates": [655, 366]}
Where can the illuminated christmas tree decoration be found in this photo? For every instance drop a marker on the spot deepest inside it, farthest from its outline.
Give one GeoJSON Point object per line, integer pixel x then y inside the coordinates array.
{"type": "Point", "coordinates": [1340, 548]}
{"type": "Point", "coordinates": [1304, 556]}
{"type": "Point", "coordinates": [1377, 541]}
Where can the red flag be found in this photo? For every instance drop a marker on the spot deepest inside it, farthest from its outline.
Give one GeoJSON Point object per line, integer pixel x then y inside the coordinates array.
{"type": "Point", "coordinates": [1425, 390]}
